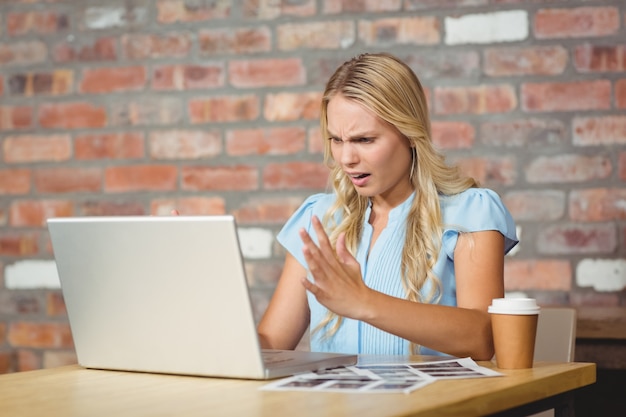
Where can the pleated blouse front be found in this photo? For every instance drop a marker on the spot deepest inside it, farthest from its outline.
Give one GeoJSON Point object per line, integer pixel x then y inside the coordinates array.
{"type": "Point", "coordinates": [472, 210]}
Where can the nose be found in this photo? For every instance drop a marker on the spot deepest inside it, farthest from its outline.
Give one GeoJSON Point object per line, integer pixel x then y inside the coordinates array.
{"type": "Point", "coordinates": [349, 154]}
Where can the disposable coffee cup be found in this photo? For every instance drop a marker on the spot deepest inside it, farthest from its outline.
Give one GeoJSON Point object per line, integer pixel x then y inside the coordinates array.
{"type": "Point", "coordinates": [514, 326]}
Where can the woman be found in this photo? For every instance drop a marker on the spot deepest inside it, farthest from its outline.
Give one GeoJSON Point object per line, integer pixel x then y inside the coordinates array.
{"type": "Point", "coordinates": [406, 254]}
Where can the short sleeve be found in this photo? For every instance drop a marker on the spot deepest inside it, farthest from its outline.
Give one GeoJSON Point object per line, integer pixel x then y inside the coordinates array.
{"type": "Point", "coordinates": [475, 210]}
{"type": "Point", "coordinates": [288, 237]}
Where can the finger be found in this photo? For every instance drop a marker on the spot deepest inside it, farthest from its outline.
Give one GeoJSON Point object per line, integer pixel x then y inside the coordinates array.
{"type": "Point", "coordinates": [175, 212]}
{"type": "Point", "coordinates": [342, 251]}
{"type": "Point", "coordinates": [310, 286]}
{"type": "Point", "coordinates": [326, 248]}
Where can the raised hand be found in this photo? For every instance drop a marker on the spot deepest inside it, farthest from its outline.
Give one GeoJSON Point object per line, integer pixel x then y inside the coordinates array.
{"type": "Point", "coordinates": [337, 281]}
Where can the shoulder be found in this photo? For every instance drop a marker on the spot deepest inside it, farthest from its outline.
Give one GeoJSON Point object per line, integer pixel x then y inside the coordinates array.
{"type": "Point", "coordinates": [478, 209]}
{"type": "Point", "coordinates": [472, 201]}
{"type": "Point", "coordinates": [288, 237]}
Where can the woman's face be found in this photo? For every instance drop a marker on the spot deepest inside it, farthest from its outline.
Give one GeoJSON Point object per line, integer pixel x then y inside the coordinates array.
{"type": "Point", "coordinates": [371, 152]}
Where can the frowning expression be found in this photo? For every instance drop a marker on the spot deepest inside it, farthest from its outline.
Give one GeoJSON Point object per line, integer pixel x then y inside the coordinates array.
{"type": "Point", "coordinates": [372, 153]}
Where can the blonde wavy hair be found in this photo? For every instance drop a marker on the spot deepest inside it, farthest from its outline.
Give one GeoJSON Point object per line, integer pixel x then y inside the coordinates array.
{"type": "Point", "coordinates": [388, 87]}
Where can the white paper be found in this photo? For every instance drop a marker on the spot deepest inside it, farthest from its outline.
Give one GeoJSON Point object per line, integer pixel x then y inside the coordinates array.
{"type": "Point", "coordinates": [382, 377]}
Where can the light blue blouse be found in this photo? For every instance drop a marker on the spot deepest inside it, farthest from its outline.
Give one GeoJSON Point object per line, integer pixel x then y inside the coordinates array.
{"type": "Point", "coordinates": [476, 209]}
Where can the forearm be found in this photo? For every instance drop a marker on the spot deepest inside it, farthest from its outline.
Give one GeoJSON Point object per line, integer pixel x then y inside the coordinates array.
{"type": "Point", "coordinates": [456, 331]}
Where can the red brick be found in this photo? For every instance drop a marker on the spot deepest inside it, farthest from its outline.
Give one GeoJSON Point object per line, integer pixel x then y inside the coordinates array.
{"type": "Point", "coordinates": [112, 208]}
{"type": "Point", "coordinates": [27, 360]}
{"type": "Point", "coordinates": [545, 275]}
{"type": "Point", "coordinates": [267, 73]}
{"type": "Point", "coordinates": [6, 359]}
{"type": "Point", "coordinates": [20, 302]}
{"type": "Point", "coordinates": [68, 180]}
{"type": "Point", "coordinates": [109, 80]}
{"type": "Point", "coordinates": [402, 31]}
{"type": "Point", "coordinates": [442, 64]}
{"type": "Point", "coordinates": [15, 117]}
{"type": "Point", "coordinates": [189, 206]}
{"type": "Point", "coordinates": [36, 22]}
{"type": "Point", "coordinates": [620, 93]}
{"type": "Point", "coordinates": [268, 9]}
{"type": "Point", "coordinates": [55, 304]}
{"type": "Point", "coordinates": [188, 77]}
{"type": "Point", "coordinates": [475, 100]}
{"type": "Point", "coordinates": [169, 45]}
{"type": "Point", "coordinates": [54, 83]}
{"type": "Point", "coordinates": [525, 132]}
{"type": "Point", "coordinates": [140, 178]}
{"type": "Point", "coordinates": [598, 204]}
{"type": "Point", "coordinates": [222, 178]}
{"type": "Point", "coordinates": [351, 6]}
{"type": "Point", "coordinates": [568, 168]}
{"type": "Point", "coordinates": [536, 205]}
{"type": "Point", "coordinates": [34, 213]}
{"type": "Point", "coordinates": [295, 176]}
{"type": "Point", "coordinates": [315, 35]}
{"type": "Point", "coordinates": [576, 22]}
{"type": "Point", "coordinates": [489, 170]}
{"type": "Point", "coordinates": [566, 96]}
{"type": "Point", "coordinates": [40, 335]}
{"type": "Point", "coordinates": [14, 181]}
{"type": "Point", "coordinates": [263, 275]}
{"type": "Point", "coordinates": [316, 142]}
{"type": "Point", "coordinates": [276, 141]}
{"type": "Point", "coordinates": [23, 53]}
{"type": "Point", "coordinates": [160, 110]}
{"type": "Point", "coordinates": [453, 135]}
{"type": "Point", "coordinates": [600, 58]}
{"type": "Point", "coordinates": [535, 60]}
{"type": "Point", "coordinates": [267, 210]}
{"type": "Point", "coordinates": [172, 11]}
{"type": "Point", "coordinates": [622, 166]}
{"type": "Point", "coordinates": [103, 49]}
{"type": "Point", "coordinates": [185, 144]}
{"type": "Point", "coordinates": [128, 145]}
{"type": "Point", "coordinates": [235, 41]}
{"type": "Point", "coordinates": [224, 109]}
{"type": "Point", "coordinates": [75, 115]}
{"type": "Point", "coordinates": [19, 243]}
{"type": "Point", "coordinates": [593, 131]}
{"type": "Point", "coordinates": [37, 148]}
{"type": "Point", "coordinates": [443, 4]}
{"type": "Point", "coordinates": [591, 298]}
{"type": "Point", "coordinates": [282, 107]}
{"type": "Point", "coordinates": [579, 238]}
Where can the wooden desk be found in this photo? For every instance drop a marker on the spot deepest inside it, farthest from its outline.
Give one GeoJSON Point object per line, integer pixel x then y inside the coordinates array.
{"type": "Point", "coordinates": [75, 391]}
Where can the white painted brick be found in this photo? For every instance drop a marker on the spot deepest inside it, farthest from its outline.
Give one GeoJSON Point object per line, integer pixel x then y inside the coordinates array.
{"type": "Point", "coordinates": [111, 17]}
{"type": "Point", "coordinates": [256, 243]}
{"type": "Point", "coordinates": [602, 274]}
{"type": "Point", "coordinates": [506, 26]}
{"type": "Point", "coordinates": [31, 274]}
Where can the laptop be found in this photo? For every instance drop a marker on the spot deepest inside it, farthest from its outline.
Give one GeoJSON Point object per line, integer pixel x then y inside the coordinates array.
{"type": "Point", "coordinates": [166, 294]}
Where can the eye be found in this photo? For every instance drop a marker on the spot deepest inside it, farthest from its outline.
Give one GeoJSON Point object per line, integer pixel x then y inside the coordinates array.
{"type": "Point", "coordinates": [364, 140]}
{"type": "Point", "coordinates": [335, 140]}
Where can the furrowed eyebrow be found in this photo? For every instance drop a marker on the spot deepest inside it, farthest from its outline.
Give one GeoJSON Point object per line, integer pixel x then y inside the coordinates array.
{"type": "Point", "coordinates": [353, 137]}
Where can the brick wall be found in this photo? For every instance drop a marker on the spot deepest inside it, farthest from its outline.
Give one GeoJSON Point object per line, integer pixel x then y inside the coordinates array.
{"type": "Point", "coordinates": [137, 107]}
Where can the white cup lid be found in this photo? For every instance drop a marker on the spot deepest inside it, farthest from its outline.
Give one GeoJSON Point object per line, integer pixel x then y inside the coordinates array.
{"type": "Point", "coordinates": [525, 306]}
